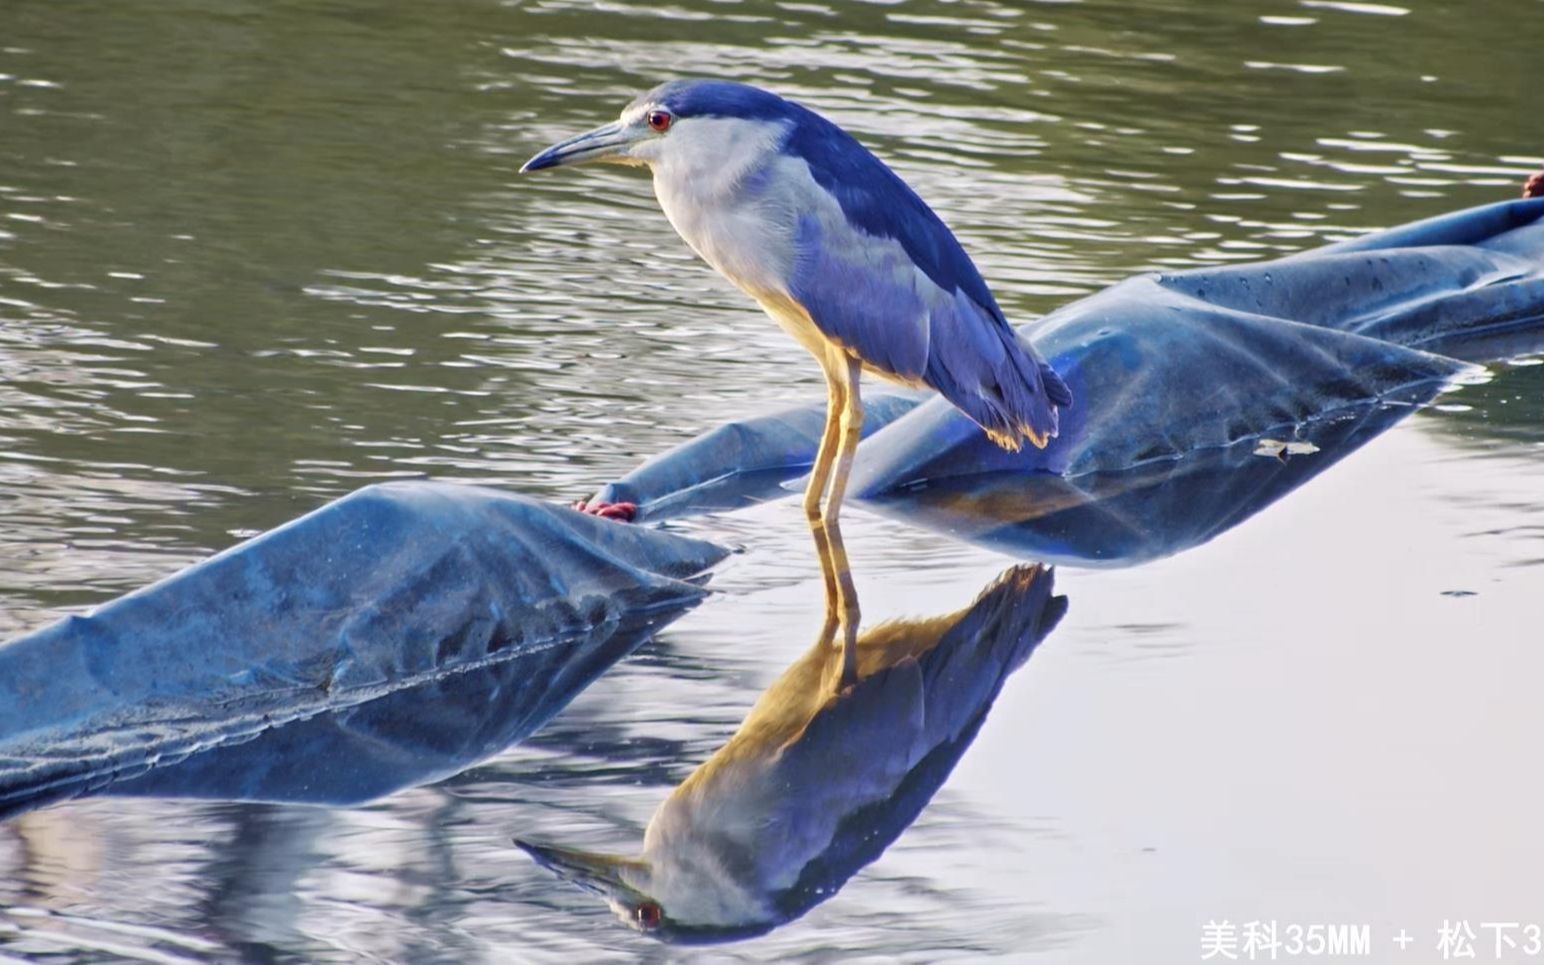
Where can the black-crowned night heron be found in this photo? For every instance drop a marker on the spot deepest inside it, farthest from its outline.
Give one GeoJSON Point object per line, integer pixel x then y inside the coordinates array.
{"type": "Point", "coordinates": [845, 257]}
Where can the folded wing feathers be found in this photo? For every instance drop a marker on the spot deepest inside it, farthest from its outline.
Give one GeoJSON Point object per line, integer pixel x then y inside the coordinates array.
{"type": "Point", "coordinates": [979, 364]}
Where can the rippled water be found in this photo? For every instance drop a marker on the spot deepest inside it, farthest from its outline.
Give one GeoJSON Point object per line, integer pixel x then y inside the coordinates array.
{"type": "Point", "coordinates": [254, 255]}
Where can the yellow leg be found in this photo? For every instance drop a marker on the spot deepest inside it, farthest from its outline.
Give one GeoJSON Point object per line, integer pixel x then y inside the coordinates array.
{"type": "Point", "coordinates": [814, 492]}
{"type": "Point", "coordinates": [850, 433]}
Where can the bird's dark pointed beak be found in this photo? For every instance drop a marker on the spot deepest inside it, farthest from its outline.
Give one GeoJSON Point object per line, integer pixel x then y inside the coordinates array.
{"type": "Point", "coordinates": [608, 140]}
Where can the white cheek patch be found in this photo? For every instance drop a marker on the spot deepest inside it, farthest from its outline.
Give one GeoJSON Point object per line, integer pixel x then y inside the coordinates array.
{"type": "Point", "coordinates": [716, 152]}
{"type": "Point", "coordinates": [720, 182]}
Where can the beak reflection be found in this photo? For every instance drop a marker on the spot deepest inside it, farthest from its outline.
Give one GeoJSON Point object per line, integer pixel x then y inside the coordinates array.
{"type": "Point", "coordinates": [589, 870]}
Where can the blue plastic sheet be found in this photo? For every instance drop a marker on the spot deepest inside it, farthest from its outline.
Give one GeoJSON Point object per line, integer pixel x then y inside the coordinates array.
{"type": "Point", "coordinates": [410, 630]}
{"type": "Point", "coordinates": [1180, 378]}
{"type": "Point", "coordinates": [311, 663]}
{"type": "Point", "coordinates": [740, 463]}
{"type": "Point", "coordinates": [1146, 511]}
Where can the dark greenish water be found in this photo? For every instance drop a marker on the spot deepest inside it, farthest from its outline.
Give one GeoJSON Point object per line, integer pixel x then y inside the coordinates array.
{"type": "Point", "coordinates": [255, 255]}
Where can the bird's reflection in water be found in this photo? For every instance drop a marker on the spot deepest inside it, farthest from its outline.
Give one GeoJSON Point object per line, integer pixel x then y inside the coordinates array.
{"type": "Point", "coordinates": [816, 783]}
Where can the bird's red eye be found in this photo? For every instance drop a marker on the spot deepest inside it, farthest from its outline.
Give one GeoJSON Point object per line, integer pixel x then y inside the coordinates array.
{"type": "Point", "coordinates": [648, 914]}
{"type": "Point", "coordinates": [660, 120]}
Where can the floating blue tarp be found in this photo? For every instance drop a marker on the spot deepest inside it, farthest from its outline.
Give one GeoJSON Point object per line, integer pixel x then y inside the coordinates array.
{"type": "Point", "coordinates": [740, 463]}
{"type": "Point", "coordinates": [409, 630]}
{"type": "Point", "coordinates": [281, 668]}
{"type": "Point", "coordinates": [1180, 378]}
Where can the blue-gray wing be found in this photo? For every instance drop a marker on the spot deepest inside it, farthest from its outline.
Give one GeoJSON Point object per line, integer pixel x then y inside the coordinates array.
{"type": "Point", "coordinates": [866, 293]}
{"type": "Point", "coordinates": [871, 758]}
{"type": "Point", "coordinates": [889, 281]}
{"type": "Point", "coordinates": [849, 761]}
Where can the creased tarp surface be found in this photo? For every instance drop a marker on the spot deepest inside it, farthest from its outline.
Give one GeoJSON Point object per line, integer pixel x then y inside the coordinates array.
{"type": "Point", "coordinates": [396, 586]}
{"type": "Point", "coordinates": [740, 463]}
{"type": "Point", "coordinates": [1158, 376]}
{"type": "Point", "coordinates": [1145, 511]}
{"type": "Point", "coordinates": [1193, 367]}
{"type": "Point", "coordinates": [1170, 363]}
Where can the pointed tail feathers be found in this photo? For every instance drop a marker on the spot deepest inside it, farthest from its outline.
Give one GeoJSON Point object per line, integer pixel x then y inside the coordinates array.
{"type": "Point", "coordinates": [1001, 384]}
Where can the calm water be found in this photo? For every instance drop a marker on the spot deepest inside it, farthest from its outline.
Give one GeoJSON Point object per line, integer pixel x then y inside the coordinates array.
{"type": "Point", "coordinates": [254, 255]}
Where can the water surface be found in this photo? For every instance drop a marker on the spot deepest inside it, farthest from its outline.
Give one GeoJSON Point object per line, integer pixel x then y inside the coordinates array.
{"type": "Point", "coordinates": [254, 255]}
